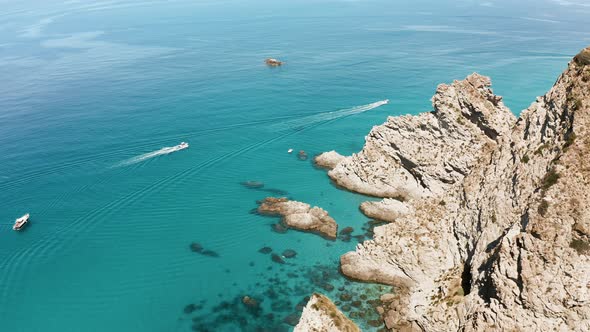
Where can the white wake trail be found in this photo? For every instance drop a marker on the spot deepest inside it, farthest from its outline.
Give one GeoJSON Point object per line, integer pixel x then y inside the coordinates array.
{"type": "Point", "coordinates": [149, 155]}
{"type": "Point", "coordinates": [327, 116]}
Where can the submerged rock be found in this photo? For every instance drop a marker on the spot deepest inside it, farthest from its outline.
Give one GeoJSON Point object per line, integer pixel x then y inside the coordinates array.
{"type": "Point", "coordinates": [189, 308]}
{"type": "Point", "coordinates": [209, 253]}
{"type": "Point", "coordinates": [265, 250]}
{"type": "Point", "coordinates": [302, 155]}
{"type": "Point", "coordinates": [346, 231]}
{"type": "Point", "coordinates": [292, 319]}
{"type": "Point", "coordinates": [196, 247]}
{"type": "Point", "coordinates": [252, 184]}
{"type": "Point", "coordinates": [300, 216]}
{"type": "Point", "coordinates": [277, 259]}
{"type": "Point", "coordinates": [279, 228]}
{"type": "Point", "coordinates": [289, 253]}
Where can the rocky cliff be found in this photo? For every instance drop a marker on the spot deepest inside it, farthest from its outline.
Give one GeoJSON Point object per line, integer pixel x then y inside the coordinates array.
{"type": "Point", "coordinates": [321, 315]}
{"type": "Point", "coordinates": [494, 229]}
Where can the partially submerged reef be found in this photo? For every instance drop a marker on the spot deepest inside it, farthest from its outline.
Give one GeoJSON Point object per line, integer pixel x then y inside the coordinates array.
{"type": "Point", "coordinates": [300, 216]}
{"type": "Point", "coordinates": [488, 214]}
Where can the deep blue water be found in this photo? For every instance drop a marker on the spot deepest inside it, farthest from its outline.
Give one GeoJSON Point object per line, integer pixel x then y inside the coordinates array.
{"type": "Point", "coordinates": [85, 87]}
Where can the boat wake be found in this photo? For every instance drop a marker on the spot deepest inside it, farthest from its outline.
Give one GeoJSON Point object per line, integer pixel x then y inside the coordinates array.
{"type": "Point", "coordinates": [327, 116]}
{"type": "Point", "coordinates": [153, 154]}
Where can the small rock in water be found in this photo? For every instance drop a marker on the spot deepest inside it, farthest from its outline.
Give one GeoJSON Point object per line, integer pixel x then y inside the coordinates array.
{"type": "Point", "coordinates": [328, 287]}
{"type": "Point", "coordinates": [289, 253]}
{"type": "Point", "coordinates": [250, 302]}
{"type": "Point", "coordinates": [292, 319]}
{"type": "Point", "coordinates": [265, 250]}
{"type": "Point", "coordinates": [209, 253]}
{"type": "Point", "coordinates": [196, 247]}
{"type": "Point", "coordinates": [277, 259]}
{"type": "Point", "coordinates": [252, 184]}
{"type": "Point", "coordinates": [346, 230]}
{"type": "Point", "coordinates": [279, 228]}
{"type": "Point", "coordinates": [302, 155]}
{"type": "Point", "coordinates": [189, 308]}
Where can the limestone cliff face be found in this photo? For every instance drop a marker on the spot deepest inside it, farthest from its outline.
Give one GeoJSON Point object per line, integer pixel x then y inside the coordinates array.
{"type": "Point", "coordinates": [420, 156]}
{"type": "Point", "coordinates": [495, 231]}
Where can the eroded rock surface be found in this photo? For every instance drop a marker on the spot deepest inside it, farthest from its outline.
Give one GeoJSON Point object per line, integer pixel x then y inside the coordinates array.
{"type": "Point", "coordinates": [498, 234]}
{"type": "Point", "coordinates": [300, 216]}
{"type": "Point", "coordinates": [424, 155]}
{"type": "Point", "coordinates": [388, 209]}
{"type": "Point", "coordinates": [328, 159]}
{"type": "Point", "coordinates": [321, 315]}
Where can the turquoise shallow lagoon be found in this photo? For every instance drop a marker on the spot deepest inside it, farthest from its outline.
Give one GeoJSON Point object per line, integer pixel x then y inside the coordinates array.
{"type": "Point", "coordinates": [87, 86]}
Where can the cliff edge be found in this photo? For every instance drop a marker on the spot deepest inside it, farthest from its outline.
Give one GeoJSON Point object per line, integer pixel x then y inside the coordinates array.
{"type": "Point", "coordinates": [494, 229]}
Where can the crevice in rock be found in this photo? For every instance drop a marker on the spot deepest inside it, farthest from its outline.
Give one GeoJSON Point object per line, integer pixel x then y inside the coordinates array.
{"type": "Point", "coordinates": [524, 221]}
{"type": "Point", "coordinates": [410, 166]}
{"type": "Point", "coordinates": [466, 277]}
{"type": "Point", "coordinates": [477, 118]}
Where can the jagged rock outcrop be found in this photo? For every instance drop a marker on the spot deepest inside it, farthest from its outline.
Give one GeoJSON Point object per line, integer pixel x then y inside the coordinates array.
{"type": "Point", "coordinates": [321, 315]}
{"type": "Point", "coordinates": [498, 237]}
{"type": "Point", "coordinates": [300, 216]}
{"type": "Point", "coordinates": [328, 159]}
{"type": "Point", "coordinates": [424, 155]}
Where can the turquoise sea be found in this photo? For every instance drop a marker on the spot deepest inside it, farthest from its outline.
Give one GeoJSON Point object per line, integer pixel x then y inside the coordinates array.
{"type": "Point", "coordinates": [87, 88]}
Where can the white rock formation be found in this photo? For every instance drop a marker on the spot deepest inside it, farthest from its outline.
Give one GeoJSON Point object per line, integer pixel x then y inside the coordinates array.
{"type": "Point", "coordinates": [321, 315]}
{"type": "Point", "coordinates": [388, 209]}
{"type": "Point", "coordinates": [328, 159]}
{"type": "Point", "coordinates": [424, 155]}
{"type": "Point", "coordinates": [498, 237]}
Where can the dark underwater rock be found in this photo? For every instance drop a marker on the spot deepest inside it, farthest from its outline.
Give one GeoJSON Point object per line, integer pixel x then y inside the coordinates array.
{"type": "Point", "coordinates": [279, 228]}
{"type": "Point", "coordinates": [252, 184]}
{"type": "Point", "coordinates": [302, 155]}
{"type": "Point", "coordinates": [189, 308]}
{"type": "Point", "coordinates": [289, 253]}
{"type": "Point", "coordinates": [265, 250]}
{"type": "Point", "coordinates": [328, 287]}
{"type": "Point", "coordinates": [196, 247]}
{"type": "Point", "coordinates": [277, 259]}
{"type": "Point", "coordinates": [346, 230]}
{"type": "Point", "coordinates": [209, 253]}
{"type": "Point", "coordinates": [292, 319]}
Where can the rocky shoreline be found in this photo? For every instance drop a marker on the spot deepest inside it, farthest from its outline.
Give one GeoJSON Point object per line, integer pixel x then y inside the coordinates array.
{"type": "Point", "coordinates": [489, 218]}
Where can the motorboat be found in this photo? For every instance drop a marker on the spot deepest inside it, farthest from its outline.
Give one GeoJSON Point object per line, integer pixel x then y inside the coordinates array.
{"type": "Point", "coordinates": [182, 146]}
{"type": "Point", "coordinates": [21, 222]}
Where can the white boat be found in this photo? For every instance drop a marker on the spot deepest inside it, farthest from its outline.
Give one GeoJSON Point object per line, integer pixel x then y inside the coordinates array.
{"type": "Point", "coordinates": [20, 222]}
{"type": "Point", "coordinates": [182, 146]}
{"type": "Point", "coordinates": [290, 151]}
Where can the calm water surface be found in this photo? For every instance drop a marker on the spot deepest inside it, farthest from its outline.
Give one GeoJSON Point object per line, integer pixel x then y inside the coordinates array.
{"type": "Point", "coordinates": [87, 87]}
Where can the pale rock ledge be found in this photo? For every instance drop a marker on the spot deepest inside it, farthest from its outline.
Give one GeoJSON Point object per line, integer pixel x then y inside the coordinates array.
{"type": "Point", "coordinates": [321, 315]}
